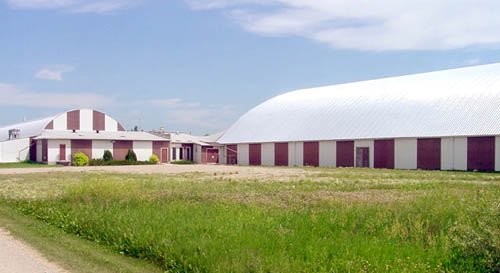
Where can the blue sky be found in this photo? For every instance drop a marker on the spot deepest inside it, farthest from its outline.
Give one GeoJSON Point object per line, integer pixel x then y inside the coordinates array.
{"type": "Point", "coordinates": [197, 65]}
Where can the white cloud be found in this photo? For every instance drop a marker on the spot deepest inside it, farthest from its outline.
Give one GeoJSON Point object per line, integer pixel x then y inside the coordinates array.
{"type": "Point", "coordinates": [370, 25]}
{"type": "Point", "coordinates": [53, 73]}
{"type": "Point", "coordinates": [77, 6]}
{"type": "Point", "coordinates": [11, 95]}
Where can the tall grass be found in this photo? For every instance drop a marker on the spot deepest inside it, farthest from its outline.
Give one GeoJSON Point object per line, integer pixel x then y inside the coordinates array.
{"type": "Point", "coordinates": [332, 221]}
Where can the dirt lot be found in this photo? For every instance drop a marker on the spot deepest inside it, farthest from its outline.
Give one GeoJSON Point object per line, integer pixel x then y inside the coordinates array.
{"type": "Point", "coordinates": [276, 173]}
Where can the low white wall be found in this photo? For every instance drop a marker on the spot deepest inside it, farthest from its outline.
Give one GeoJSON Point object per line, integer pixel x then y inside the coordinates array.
{"type": "Point", "coordinates": [15, 150]}
{"type": "Point", "coordinates": [99, 146]}
{"type": "Point", "coordinates": [222, 155]}
{"type": "Point", "coordinates": [197, 153]}
{"type": "Point", "coordinates": [267, 154]}
{"type": "Point", "coordinates": [460, 153]}
{"type": "Point", "coordinates": [53, 150]}
{"type": "Point", "coordinates": [143, 149]}
{"type": "Point", "coordinates": [110, 124]}
{"type": "Point", "coordinates": [447, 154]}
{"type": "Point", "coordinates": [296, 153]}
{"type": "Point", "coordinates": [243, 154]}
{"type": "Point", "coordinates": [405, 153]}
{"type": "Point", "coordinates": [327, 154]}
{"type": "Point", "coordinates": [86, 120]}
{"type": "Point", "coordinates": [371, 150]}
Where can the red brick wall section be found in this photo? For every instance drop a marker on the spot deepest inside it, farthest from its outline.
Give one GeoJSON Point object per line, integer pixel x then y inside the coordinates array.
{"type": "Point", "coordinates": [345, 153]}
{"type": "Point", "coordinates": [50, 126]}
{"type": "Point", "coordinates": [157, 146]}
{"type": "Point", "coordinates": [120, 127]}
{"type": "Point", "coordinates": [481, 153]}
{"type": "Point", "coordinates": [232, 154]}
{"type": "Point", "coordinates": [120, 149]}
{"type": "Point", "coordinates": [84, 146]}
{"type": "Point", "coordinates": [311, 153]}
{"type": "Point", "coordinates": [73, 120]}
{"type": "Point", "coordinates": [281, 154]}
{"type": "Point", "coordinates": [98, 121]}
{"type": "Point", "coordinates": [254, 154]}
{"type": "Point", "coordinates": [384, 153]}
{"type": "Point", "coordinates": [429, 153]}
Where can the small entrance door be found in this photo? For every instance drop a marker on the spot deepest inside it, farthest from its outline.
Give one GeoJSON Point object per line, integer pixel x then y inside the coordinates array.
{"type": "Point", "coordinates": [212, 156]}
{"type": "Point", "coordinates": [164, 155]}
{"type": "Point", "coordinates": [62, 152]}
{"type": "Point", "coordinates": [362, 157]}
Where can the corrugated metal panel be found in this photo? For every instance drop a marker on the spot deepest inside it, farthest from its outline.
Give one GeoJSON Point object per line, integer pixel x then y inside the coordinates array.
{"type": "Point", "coordinates": [125, 135]}
{"type": "Point", "coordinates": [27, 129]}
{"type": "Point", "coordinates": [457, 102]}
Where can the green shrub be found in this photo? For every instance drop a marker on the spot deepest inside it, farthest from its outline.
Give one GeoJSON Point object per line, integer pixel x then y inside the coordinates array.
{"type": "Point", "coordinates": [108, 156]}
{"type": "Point", "coordinates": [182, 162]}
{"type": "Point", "coordinates": [131, 156]}
{"type": "Point", "coordinates": [80, 159]}
{"type": "Point", "coordinates": [153, 159]}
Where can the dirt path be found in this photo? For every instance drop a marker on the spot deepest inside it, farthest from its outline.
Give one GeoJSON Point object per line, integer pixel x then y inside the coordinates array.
{"type": "Point", "coordinates": [17, 257]}
{"type": "Point", "coordinates": [222, 170]}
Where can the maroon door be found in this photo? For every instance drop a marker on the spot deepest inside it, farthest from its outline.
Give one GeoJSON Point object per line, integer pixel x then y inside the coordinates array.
{"type": "Point", "coordinates": [254, 156]}
{"type": "Point", "coordinates": [384, 154]}
{"type": "Point", "coordinates": [62, 152]}
{"type": "Point", "coordinates": [429, 153]}
{"type": "Point", "coordinates": [345, 153]}
{"type": "Point", "coordinates": [481, 153]}
{"type": "Point", "coordinates": [311, 153]}
{"type": "Point", "coordinates": [281, 154]}
{"type": "Point", "coordinates": [212, 156]}
{"type": "Point", "coordinates": [362, 157]}
{"type": "Point", "coordinates": [164, 155]}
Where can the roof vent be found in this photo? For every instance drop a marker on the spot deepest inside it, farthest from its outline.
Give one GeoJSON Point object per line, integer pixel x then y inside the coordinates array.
{"type": "Point", "coordinates": [14, 133]}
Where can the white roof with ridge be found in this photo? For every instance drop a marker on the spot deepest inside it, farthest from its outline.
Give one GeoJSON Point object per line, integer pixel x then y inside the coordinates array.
{"type": "Point", "coordinates": [456, 102]}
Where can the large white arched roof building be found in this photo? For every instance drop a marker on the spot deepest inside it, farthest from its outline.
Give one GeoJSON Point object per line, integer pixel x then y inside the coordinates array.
{"type": "Point", "coordinates": [439, 120]}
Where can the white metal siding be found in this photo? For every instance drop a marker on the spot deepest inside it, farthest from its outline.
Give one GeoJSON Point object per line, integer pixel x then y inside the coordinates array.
{"type": "Point", "coordinates": [110, 124]}
{"type": "Point", "coordinates": [370, 145]}
{"type": "Point", "coordinates": [61, 122]}
{"type": "Point", "coordinates": [86, 120]}
{"type": "Point", "coordinates": [99, 146]}
{"type": "Point", "coordinates": [296, 153]}
{"type": "Point", "coordinates": [222, 155]}
{"type": "Point", "coordinates": [243, 154]}
{"type": "Point", "coordinates": [405, 151]}
{"type": "Point", "coordinates": [53, 150]}
{"type": "Point", "coordinates": [447, 153]}
{"type": "Point", "coordinates": [197, 153]}
{"type": "Point", "coordinates": [327, 153]}
{"type": "Point", "coordinates": [143, 149]}
{"type": "Point", "coordinates": [267, 154]}
{"type": "Point", "coordinates": [14, 150]}
{"type": "Point", "coordinates": [460, 153]}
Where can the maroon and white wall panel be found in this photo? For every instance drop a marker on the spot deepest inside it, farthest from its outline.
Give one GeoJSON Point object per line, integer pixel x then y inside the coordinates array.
{"type": "Point", "coordinates": [143, 149]}
{"type": "Point", "coordinates": [281, 154]}
{"type": "Point", "coordinates": [54, 151]}
{"type": "Point", "coordinates": [365, 144]}
{"type": "Point", "coordinates": [405, 153]}
{"type": "Point", "coordinates": [84, 120]}
{"type": "Point", "coordinates": [267, 154]}
{"type": "Point", "coordinates": [454, 153]}
{"type": "Point", "coordinates": [99, 146]}
{"type": "Point", "coordinates": [327, 151]}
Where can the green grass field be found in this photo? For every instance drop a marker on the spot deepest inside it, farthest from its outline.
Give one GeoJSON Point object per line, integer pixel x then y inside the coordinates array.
{"type": "Point", "coordinates": [331, 220]}
{"type": "Point", "coordinates": [25, 164]}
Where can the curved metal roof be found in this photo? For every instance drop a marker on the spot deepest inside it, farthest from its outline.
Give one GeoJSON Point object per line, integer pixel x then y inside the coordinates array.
{"type": "Point", "coordinates": [27, 129]}
{"type": "Point", "coordinates": [456, 102]}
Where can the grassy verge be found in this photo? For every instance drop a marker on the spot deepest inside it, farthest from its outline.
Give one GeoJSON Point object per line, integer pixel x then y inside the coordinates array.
{"type": "Point", "coordinates": [339, 220]}
{"type": "Point", "coordinates": [24, 164]}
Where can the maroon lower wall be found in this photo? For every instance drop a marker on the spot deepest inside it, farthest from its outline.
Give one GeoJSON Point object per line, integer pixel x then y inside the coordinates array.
{"type": "Point", "coordinates": [45, 150]}
{"type": "Point", "coordinates": [232, 154]}
{"type": "Point", "coordinates": [311, 153]}
{"type": "Point", "coordinates": [120, 149]}
{"type": "Point", "coordinates": [254, 154]}
{"type": "Point", "coordinates": [84, 146]}
{"type": "Point", "coordinates": [384, 153]}
{"type": "Point", "coordinates": [157, 150]}
{"type": "Point", "coordinates": [429, 153]}
{"type": "Point", "coordinates": [345, 153]}
{"type": "Point", "coordinates": [481, 153]}
{"type": "Point", "coordinates": [281, 154]}
{"type": "Point", "coordinates": [32, 150]}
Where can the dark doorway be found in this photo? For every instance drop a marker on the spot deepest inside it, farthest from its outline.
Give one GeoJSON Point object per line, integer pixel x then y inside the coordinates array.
{"type": "Point", "coordinates": [362, 157]}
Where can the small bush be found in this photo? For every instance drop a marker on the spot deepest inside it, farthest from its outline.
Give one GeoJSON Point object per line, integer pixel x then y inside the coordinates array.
{"type": "Point", "coordinates": [153, 159]}
{"type": "Point", "coordinates": [131, 156]}
{"type": "Point", "coordinates": [182, 162]}
{"type": "Point", "coordinates": [108, 156]}
{"type": "Point", "coordinates": [80, 159]}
